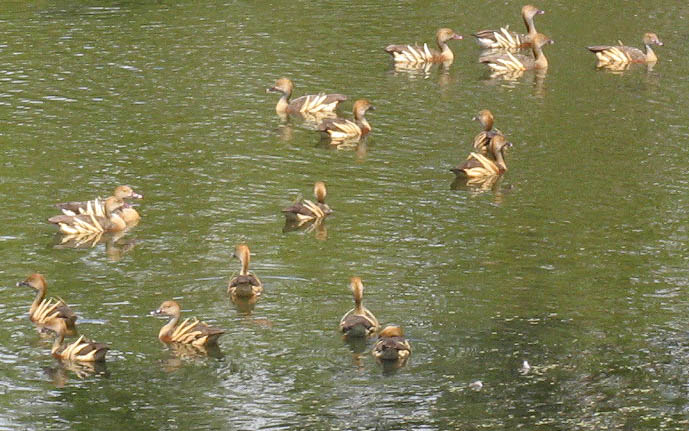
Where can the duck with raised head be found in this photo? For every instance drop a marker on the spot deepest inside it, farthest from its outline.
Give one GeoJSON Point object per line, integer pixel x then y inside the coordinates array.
{"type": "Point", "coordinates": [359, 321]}
{"type": "Point", "coordinates": [480, 166]}
{"type": "Point", "coordinates": [505, 39]}
{"type": "Point", "coordinates": [51, 313]}
{"type": "Point", "coordinates": [305, 210]}
{"type": "Point", "coordinates": [121, 192]}
{"type": "Point", "coordinates": [391, 345]}
{"type": "Point", "coordinates": [108, 220]}
{"type": "Point", "coordinates": [190, 331]}
{"type": "Point", "coordinates": [621, 55]}
{"type": "Point", "coordinates": [340, 129]}
{"type": "Point", "coordinates": [508, 62]}
{"type": "Point", "coordinates": [415, 54]}
{"type": "Point", "coordinates": [310, 104]}
{"type": "Point", "coordinates": [482, 140]}
{"type": "Point", "coordinates": [246, 285]}
{"type": "Point", "coordinates": [82, 350]}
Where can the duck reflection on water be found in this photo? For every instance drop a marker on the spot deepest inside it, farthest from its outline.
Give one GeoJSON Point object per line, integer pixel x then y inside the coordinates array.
{"type": "Point", "coordinates": [59, 374]}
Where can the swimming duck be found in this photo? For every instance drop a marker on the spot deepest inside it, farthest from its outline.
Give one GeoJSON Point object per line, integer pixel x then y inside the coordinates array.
{"type": "Point", "coordinates": [121, 192]}
{"type": "Point", "coordinates": [340, 129]}
{"type": "Point", "coordinates": [190, 331]}
{"type": "Point", "coordinates": [105, 218]}
{"type": "Point", "coordinates": [246, 284]}
{"type": "Point", "coordinates": [482, 140]}
{"type": "Point", "coordinates": [508, 62]}
{"type": "Point", "coordinates": [622, 55]}
{"type": "Point", "coordinates": [391, 345]}
{"type": "Point", "coordinates": [505, 39]}
{"type": "Point", "coordinates": [310, 104]}
{"type": "Point", "coordinates": [415, 54]}
{"type": "Point", "coordinates": [53, 314]}
{"type": "Point", "coordinates": [81, 350]}
{"type": "Point", "coordinates": [306, 210]}
{"type": "Point", "coordinates": [359, 321]}
{"type": "Point", "coordinates": [480, 166]}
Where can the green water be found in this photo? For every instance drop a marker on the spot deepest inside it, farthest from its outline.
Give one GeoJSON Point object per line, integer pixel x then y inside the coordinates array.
{"type": "Point", "coordinates": [575, 262]}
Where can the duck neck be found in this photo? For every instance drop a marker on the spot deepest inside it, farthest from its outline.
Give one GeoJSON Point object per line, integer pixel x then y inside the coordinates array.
{"type": "Point", "coordinates": [500, 161]}
{"type": "Point", "coordinates": [540, 60]}
{"type": "Point", "coordinates": [57, 343]}
{"type": "Point", "coordinates": [245, 265]}
{"type": "Point", "coordinates": [169, 326]}
{"type": "Point", "coordinates": [650, 55]}
{"type": "Point", "coordinates": [445, 51]}
{"type": "Point", "coordinates": [283, 103]}
{"type": "Point", "coordinates": [530, 27]}
{"type": "Point", "coordinates": [40, 295]}
{"type": "Point", "coordinates": [365, 126]}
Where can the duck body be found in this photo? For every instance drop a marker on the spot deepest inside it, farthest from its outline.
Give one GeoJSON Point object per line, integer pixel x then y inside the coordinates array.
{"type": "Point", "coordinates": [53, 314]}
{"type": "Point", "coordinates": [305, 210]}
{"type": "Point", "coordinates": [81, 350]}
{"type": "Point", "coordinates": [623, 55]}
{"type": "Point", "coordinates": [246, 285]}
{"type": "Point", "coordinates": [391, 345]}
{"type": "Point", "coordinates": [340, 129]}
{"type": "Point", "coordinates": [415, 54]}
{"type": "Point", "coordinates": [359, 321]}
{"type": "Point", "coordinates": [480, 166]}
{"type": "Point", "coordinates": [508, 62]}
{"type": "Point", "coordinates": [190, 331]}
{"type": "Point", "coordinates": [105, 218]}
{"type": "Point", "coordinates": [304, 105]}
{"type": "Point", "coordinates": [121, 192]}
{"type": "Point", "coordinates": [505, 39]}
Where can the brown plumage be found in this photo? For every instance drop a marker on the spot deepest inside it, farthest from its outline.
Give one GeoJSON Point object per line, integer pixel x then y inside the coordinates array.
{"type": "Point", "coordinates": [190, 331]}
{"type": "Point", "coordinates": [245, 285]}
{"type": "Point", "coordinates": [505, 39]}
{"type": "Point", "coordinates": [391, 345]}
{"type": "Point", "coordinates": [53, 314]}
{"type": "Point", "coordinates": [415, 54]}
{"type": "Point", "coordinates": [359, 321]}
{"type": "Point", "coordinates": [107, 218]}
{"type": "Point", "coordinates": [620, 55]}
{"type": "Point", "coordinates": [305, 210]}
{"type": "Point", "coordinates": [121, 192]}
{"type": "Point", "coordinates": [340, 129]}
{"type": "Point", "coordinates": [480, 166]}
{"type": "Point", "coordinates": [311, 104]}
{"type": "Point", "coordinates": [508, 62]}
{"type": "Point", "coordinates": [82, 350]}
{"type": "Point", "coordinates": [482, 140]}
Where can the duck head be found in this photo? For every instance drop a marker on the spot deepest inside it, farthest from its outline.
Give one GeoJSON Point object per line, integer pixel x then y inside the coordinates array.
{"type": "Point", "coordinates": [282, 85]}
{"type": "Point", "coordinates": [34, 281]}
{"type": "Point", "coordinates": [360, 108]}
{"type": "Point", "coordinates": [485, 118]}
{"type": "Point", "coordinates": [167, 308]}
{"type": "Point", "coordinates": [126, 192]}
{"type": "Point", "coordinates": [444, 35]}
{"type": "Point", "coordinates": [652, 39]}
{"type": "Point", "coordinates": [319, 191]}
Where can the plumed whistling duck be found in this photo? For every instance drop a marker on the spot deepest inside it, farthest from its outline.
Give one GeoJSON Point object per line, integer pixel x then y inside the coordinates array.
{"type": "Point", "coordinates": [121, 192]}
{"type": "Point", "coordinates": [509, 62]}
{"type": "Point", "coordinates": [505, 39]}
{"type": "Point", "coordinates": [482, 140]}
{"type": "Point", "coordinates": [391, 345]}
{"type": "Point", "coordinates": [480, 166]}
{"type": "Point", "coordinates": [340, 129]}
{"type": "Point", "coordinates": [311, 104]}
{"type": "Point", "coordinates": [50, 313]}
{"type": "Point", "coordinates": [359, 321]}
{"type": "Point", "coordinates": [105, 218]}
{"type": "Point", "coordinates": [622, 55]}
{"type": "Point", "coordinates": [190, 331]}
{"type": "Point", "coordinates": [307, 210]}
{"type": "Point", "coordinates": [81, 350]}
{"type": "Point", "coordinates": [245, 285]}
{"type": "Point", "coordinates": [415, 54]}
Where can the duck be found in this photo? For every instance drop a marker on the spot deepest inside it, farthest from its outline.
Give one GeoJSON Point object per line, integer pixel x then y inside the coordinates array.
{"type": "Point", "coordinates": [82, 350]}
{"type": "Point", "coordinates": [482, 140]}
{"type": "Point", "coordinates": [305, 210]}
{"type": "Point", "coordinates": [505, 39]}
{"type": "Point", "coordinates": [391, 345]}
{"type": "Point", "coordinates": [414, 54]}
{"type": "Point", "coordinates": [245, 285]}
{"type": "Point", "coordinates": [190, 331]}
{"type": "Point", "coordinates": [311, 104]}
{"type": "Point", "coordinates": [340, 129]}
{"type": "Point", "coordinates": [107, 218]}
{"type": "Point", "coordinates": [622, 55]}
{"type": "Point", "coordinates": [121, 192]}
{"type": "Point", "coordinates": [359, 321]}
{"type": "Point", "coordinates": [480, 166]}
{"type": "Point", "coordinates": [508, 62]}
{"type": "Point", "coordinates": [130, 215]}
{"type": "Point", "coordinates": [53, 314]}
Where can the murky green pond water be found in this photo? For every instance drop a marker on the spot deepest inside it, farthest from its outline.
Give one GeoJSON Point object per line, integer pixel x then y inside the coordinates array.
{"type": "Point", "coordinates": [575, 262]}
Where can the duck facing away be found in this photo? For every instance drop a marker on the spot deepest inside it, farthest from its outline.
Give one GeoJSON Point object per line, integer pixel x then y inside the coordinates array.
{"type": "Point", "coordinates": [391, 345]}
{"type": "Point", "coordinates": [359, 321]}
{"type": "Point", "coordinates": [340, 129]}
{"type": "Point", "coordinates": [482, 140]}
{"type": "Point", "coordinates": [190, 331]}
{"type": "Point", "coordinates": [121, 192]}
{"type": "Point", "coordinates": [480, 166]}
{"type": "Point", "coordinates": [505, 39]}
{"type": "Point", "coordinates": [415, 54]}
{"type": "Point", "coordinates": [508, 62]}
{"type": "Point", "coordinates": [305, 210]}
{"type": "Point", "coordinates": [82, 350]}
{"type": "Point", "coordinates": [107, 218]}
{"type": "Point", "coordinates": [623, 55]}
{"type": "Point", "coordinates": [52, 314]}
{"type": "Point", "coordinates": [311, 104]}
{"type": "Point", "coordinates": [246, 285]}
